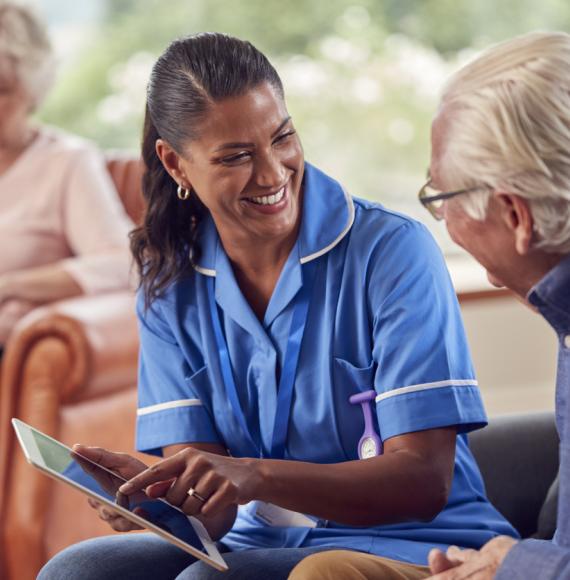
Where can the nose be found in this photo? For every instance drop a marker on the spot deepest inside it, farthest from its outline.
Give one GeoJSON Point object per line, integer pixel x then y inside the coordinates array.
{"type": "Point", "coordinates": [269, 171]}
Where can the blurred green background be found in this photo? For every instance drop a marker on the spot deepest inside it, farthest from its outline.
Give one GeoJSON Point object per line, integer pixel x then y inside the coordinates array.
{"type": "Point", "coordinates": [362, 77]}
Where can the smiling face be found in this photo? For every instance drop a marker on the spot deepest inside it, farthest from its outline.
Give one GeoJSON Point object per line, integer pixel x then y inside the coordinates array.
{"type": "Point", "coordinates": [246, 167]}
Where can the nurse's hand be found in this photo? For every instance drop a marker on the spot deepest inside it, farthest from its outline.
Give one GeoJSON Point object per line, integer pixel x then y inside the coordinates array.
{"type": "Point", "coordinates": [219, 480]}
{"type": "Point", "coordinates": [457, 564]}
{"type": "Point", "coordinates": [122, 464]}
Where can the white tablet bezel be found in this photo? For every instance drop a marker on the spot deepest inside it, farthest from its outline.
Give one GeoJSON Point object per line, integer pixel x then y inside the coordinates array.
{"type": "Point", "coordinates": [34, 458]}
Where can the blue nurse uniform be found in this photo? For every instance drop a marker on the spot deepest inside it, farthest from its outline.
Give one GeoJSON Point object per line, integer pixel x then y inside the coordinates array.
{"type": "Point", "coordinates": [383, 315]}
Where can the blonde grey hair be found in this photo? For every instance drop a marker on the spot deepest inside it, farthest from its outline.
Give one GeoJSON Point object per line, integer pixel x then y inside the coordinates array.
{"type": "Point", "coordinates": [509, 129]}
{"type": "Point", "coordinates": [26, 54]}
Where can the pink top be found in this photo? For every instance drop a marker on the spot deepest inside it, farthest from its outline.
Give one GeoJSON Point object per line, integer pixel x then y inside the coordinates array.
{"type": "Point", "coordinates": [58, 204]}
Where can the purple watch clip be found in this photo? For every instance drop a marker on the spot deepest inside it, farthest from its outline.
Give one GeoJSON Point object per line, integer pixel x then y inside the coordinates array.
{"type": "Point", "coordinates": [370, 445]}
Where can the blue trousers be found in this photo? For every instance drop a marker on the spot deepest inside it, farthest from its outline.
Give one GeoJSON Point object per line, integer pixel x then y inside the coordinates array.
{"type": "Point", "coordinates": [146, 556]}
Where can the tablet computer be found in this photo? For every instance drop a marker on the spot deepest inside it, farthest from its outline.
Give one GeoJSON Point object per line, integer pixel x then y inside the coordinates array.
{"type": "Point", "coordinates": [156, 515]}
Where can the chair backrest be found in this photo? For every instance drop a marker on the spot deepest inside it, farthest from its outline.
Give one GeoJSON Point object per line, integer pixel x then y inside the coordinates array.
{"type": "Point", "coordinates": [126, 171]}
{"type": "Point", "coordinates": [518, 458]}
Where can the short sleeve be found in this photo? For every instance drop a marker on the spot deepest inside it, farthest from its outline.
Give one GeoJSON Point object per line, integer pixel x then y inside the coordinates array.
{"type": "Point", "coordinates": [169, 409]}
{"type": "Point", "coordinates": [425, 377]}
{"type": "Point", "coordinates": [95, 224]}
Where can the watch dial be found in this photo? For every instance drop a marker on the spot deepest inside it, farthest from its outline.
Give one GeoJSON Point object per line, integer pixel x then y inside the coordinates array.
{"type": "Point", "coordinates": [368, 448]}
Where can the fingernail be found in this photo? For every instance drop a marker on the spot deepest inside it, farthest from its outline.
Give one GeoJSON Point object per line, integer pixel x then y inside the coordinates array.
{"type": "Point", "coordinates": [125, 488]}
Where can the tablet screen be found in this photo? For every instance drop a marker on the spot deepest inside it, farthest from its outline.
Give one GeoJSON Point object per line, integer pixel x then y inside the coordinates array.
{"type": "Point", "coordinates": [105, 483]}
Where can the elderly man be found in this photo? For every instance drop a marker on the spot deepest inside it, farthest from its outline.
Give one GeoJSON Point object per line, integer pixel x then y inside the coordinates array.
{"type": "Point", "coordinates": [500, 177]}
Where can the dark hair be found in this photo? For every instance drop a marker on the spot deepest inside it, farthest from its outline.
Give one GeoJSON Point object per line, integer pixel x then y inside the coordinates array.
{"type": "Point", "coordinates": [192, 74]}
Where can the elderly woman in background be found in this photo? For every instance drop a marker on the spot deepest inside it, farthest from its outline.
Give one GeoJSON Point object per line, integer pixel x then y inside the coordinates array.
{"type": "Point", "coordinates": [63, 231]}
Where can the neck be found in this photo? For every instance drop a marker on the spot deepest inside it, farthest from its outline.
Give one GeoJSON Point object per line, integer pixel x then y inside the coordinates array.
{"type": "Point", "coordinates": [257, 257]}
{"type": "Point", "coordinates": [257, 266]}
{"type": "Point", "coordinates": [15, 139]}
{"type": "Point", "coordinates": [536, 267]}
{"type": "Point", "coordinates": [13, 144]}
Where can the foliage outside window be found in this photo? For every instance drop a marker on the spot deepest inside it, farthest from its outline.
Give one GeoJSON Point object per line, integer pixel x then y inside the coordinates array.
{"type": "Point", "coordinates": [362, 77]}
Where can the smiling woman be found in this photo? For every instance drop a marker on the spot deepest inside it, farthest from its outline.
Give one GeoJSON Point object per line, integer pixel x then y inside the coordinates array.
{"type": "Point", "coordinates": [270, 297]}
{"type": "Point", "coordinates": [251, 187]}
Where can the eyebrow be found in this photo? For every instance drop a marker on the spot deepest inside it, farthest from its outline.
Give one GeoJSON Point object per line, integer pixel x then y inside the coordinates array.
{"type": "Point", "coordinates": [239, 145]}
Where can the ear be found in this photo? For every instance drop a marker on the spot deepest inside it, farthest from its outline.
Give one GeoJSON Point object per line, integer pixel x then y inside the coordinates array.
{"type": "Point", "coordinates": [516, 215]}
{"type": "Point", "coordinates": [172, 162]}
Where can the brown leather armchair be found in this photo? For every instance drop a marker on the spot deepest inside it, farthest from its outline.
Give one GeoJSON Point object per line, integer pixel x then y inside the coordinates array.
{"type": "Point", "coordinates": [69, 369]}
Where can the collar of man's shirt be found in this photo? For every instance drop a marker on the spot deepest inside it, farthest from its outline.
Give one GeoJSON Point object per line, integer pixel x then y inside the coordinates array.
{"type": "Point", "coordinates": [551, 296]}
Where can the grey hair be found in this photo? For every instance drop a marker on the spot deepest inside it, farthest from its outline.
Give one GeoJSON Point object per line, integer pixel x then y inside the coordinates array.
{"type": "Point", "coordinates": [509, 129]}
{"type": "Point", "coordinates": [26, 54]}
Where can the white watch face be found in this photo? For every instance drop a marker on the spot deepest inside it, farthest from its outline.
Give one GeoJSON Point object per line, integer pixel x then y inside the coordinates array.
{"type": "Point", "coordinates": [368, 448]}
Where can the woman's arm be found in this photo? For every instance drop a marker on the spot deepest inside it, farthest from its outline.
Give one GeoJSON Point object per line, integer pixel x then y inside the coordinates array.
{"type": "Point", "coordinates": [39, 285]}
{"type": "Point", "coordinates": [95, 226]}
{"type": "Point", "coordinates": [411, 481]}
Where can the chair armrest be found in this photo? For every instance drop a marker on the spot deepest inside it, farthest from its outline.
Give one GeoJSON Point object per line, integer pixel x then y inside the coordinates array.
{"type": "Point", "coordinates": [100, 334]}
{"type": "Point", "coordinates": [64, 353]}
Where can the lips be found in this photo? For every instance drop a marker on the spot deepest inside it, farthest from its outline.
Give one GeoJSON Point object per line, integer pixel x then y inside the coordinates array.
{"type": "Point", "coordinates": [269, 203]}
{"type": "Point", "coordinates": [269, 199]}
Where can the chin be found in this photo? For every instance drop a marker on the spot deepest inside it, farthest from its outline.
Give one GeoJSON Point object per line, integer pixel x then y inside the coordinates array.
{"type": "Point", "coordinates": [494, 280]}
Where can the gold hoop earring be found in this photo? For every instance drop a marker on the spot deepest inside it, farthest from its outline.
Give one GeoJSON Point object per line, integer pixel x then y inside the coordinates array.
{"type": "Point", "coordinates": [182, 193]}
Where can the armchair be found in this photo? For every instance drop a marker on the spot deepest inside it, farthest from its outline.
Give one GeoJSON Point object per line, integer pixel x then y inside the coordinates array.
{"type": "Point", "coordinates": [69, 369]}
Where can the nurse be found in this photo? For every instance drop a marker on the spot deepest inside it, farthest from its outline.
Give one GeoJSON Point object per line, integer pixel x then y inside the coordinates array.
{"type": "Point", "coordinates": [270, 297]}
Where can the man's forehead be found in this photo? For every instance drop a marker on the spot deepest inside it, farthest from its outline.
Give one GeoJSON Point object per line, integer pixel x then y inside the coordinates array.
{"type": "Point", "coordinates": [438, 144]}
{"type": "Point", "coordinates": [441, 136]}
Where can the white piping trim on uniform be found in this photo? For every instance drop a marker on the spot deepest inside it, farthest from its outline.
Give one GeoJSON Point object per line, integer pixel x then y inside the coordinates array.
{"type": "Point", "coordinates": [169, 405]}
{"type": "Point", "coordinates": [427, 386]}
{"type": "Point", "coordinates": [350, 205]}
{"type": "Point", "coordinates": [205, 271]}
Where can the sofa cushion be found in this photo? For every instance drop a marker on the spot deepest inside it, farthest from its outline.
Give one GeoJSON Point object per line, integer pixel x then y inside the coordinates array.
{"type": "Point", "coordinates": [518, 458]}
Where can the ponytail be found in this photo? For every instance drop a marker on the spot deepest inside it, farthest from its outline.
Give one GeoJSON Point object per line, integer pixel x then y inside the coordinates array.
{"type": "Point", "coordinates": [164, 245]}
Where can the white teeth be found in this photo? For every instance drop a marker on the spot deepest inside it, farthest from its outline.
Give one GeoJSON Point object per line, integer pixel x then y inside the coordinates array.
{"type": "Point", "coordinates": [269, 199]}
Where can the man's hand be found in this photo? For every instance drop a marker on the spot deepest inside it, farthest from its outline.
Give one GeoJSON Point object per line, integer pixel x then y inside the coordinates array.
{"type": "Point", "coordinates": [457, 564]}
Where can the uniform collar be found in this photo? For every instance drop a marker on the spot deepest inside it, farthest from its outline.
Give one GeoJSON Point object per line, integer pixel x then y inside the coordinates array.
{"type": "Point", "coordinates": [328, 215]}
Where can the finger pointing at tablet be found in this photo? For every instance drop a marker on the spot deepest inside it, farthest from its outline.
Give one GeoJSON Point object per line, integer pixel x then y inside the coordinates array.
{"type": "Point", "coordinates": [219, 481]}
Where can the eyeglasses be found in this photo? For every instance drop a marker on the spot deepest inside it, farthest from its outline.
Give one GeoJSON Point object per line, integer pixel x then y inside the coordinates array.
{"type": "Point", "coordinates": [432, 199]}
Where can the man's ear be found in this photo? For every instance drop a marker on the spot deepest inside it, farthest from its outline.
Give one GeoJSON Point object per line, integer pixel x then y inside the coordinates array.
{"type": "Point", "coordinates": [172, 162]}
{"type": "Point", "coordinates": [516, 215]}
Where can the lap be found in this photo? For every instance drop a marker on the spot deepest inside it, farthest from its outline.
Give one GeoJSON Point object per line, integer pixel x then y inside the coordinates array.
{"type": "Point", "coordinates": [348, 565]}
{"type": "Point", "coordinates": [142, 556]}
{"type": "Point", "coordinates": [124, 556]}
{"type": "Point", "coordinates": [274, 564]}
